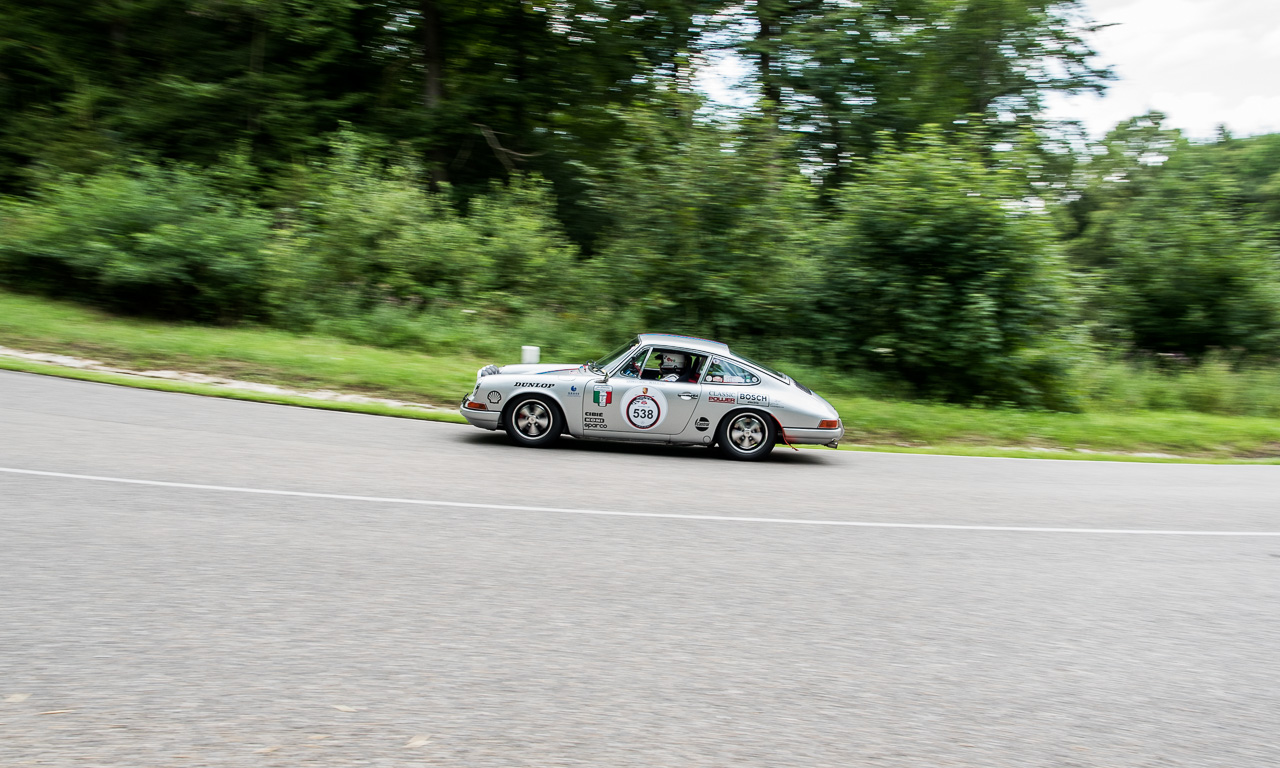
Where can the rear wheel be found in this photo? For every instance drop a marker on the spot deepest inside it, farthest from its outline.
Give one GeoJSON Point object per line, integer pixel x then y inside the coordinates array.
{"type": "Point", "coordinates": [533, 421]}
{"type": "Point", "coordinates": [746, 436]}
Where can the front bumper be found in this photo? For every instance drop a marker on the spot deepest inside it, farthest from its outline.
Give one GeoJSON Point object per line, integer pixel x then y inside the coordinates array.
{"type": "Point", "coordinates": [814, 436]}
{"type": "Point", "coordinates": [485, 419]}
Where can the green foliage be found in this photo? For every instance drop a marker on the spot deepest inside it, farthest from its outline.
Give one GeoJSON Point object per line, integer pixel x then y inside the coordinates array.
{"type": "Point", "coordinates": [941, 273]}
{"type": "Point", "coordinates": [369, 237]}
{"type": "Point", "coordinates": [1185, 257]}
{"type": "Point", "coordinates": [147, 239]}
{"type": "Point", "coordinates": [713, 234]}
{"type": "Point", "coordinates": [1217, 385]}
{"type": "Point", "coordinates": [846, 78]}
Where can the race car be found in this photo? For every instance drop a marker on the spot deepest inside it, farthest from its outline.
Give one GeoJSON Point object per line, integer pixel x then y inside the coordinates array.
{"type": "Point", "coordinates": [659, 388]}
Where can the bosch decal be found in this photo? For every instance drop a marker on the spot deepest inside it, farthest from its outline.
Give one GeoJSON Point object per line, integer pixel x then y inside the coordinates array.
{"type": "Point", "coordinates": [751, 398]}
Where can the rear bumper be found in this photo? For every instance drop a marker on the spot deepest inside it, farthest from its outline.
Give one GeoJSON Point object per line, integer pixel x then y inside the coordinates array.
{"type": "Point", "coordinates": [483, 419]}
{"type": "Point", "coordinates": [814, 436]}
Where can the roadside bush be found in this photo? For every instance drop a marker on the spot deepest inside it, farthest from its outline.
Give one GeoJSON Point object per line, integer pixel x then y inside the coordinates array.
{"type": "Point", "coordinates": [145, 240]}
{"type": "Point", "coordinates": [942, 275]}
{"type": "Point", "coordinates": [1214, 385]}
{"type": "Point", "coordinates": [712, 234]}
{"type": "Point", "coordinates": [369, 238]}
{"type": "Point", "coordinates": [1179, 246]}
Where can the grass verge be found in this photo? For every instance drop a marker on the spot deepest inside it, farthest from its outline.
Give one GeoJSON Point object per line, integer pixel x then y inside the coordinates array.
{"type": "Point", "coordinates": [163, 385]}
{"type": "Point", "coordinates": [295, 361]}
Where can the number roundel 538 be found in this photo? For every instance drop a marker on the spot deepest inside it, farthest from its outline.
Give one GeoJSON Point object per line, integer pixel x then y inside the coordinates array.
{"type": "Point", "coordinates": [644, 407]}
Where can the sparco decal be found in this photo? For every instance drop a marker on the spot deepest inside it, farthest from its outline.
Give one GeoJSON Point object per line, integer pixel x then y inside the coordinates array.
{"type": "Point", "coordinates": [644, 407]}
{"type": "Point", "coordinates": [538, 384]}
{"type": "Point", "coordinates": [593, 420]}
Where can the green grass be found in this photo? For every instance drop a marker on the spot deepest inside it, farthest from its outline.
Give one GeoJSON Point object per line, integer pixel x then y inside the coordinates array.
{"type": "Point", "coordinates": [271, 356]}
{"type": "Point", "coordinates": [1173, 432]}
{"type": "Point", "coordinates": [979, 451]}
{"type": "Point", "coordinates": [163, 385]}
{"type": "Point", "coordinates": [250, 354]}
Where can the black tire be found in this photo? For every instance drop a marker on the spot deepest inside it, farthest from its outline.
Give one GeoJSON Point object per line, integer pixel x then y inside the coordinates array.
{"type": "Point", "coordinates": [746, 435]}
{"type": "Point", "coordinates": [533, 421]}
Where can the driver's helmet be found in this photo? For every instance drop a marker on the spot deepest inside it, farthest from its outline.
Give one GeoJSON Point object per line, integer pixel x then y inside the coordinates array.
{"type": "Point", "coordinates": [672, 362]}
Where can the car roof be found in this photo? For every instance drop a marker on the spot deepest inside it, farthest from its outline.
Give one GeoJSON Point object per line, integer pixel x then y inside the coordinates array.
{"type": "Point", "coordinates": [691, 343]}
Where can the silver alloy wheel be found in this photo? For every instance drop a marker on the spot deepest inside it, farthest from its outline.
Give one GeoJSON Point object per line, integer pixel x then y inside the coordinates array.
{"type": "Point", "coordinates": [747, 432]}
{"type": "Point", "coordinates": [533, 419]}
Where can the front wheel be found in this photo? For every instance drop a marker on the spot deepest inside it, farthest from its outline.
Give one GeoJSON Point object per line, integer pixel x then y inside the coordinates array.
{"type": "Point", "coordinates": [534, 422]}
{"type": "Point", "coordinates": [746, 436]}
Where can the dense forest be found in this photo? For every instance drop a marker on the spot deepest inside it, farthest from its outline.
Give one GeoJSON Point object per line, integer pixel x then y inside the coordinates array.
{"type": "Point", "coordinates": [893, 202]}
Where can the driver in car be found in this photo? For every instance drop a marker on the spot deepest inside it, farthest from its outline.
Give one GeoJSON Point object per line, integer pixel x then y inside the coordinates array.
{"type": "Point", "coordinates": [674, 366]}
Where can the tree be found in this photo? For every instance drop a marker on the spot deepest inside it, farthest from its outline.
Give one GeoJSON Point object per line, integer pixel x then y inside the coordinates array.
{"type": "Point", "coordinates": [710, 234]}
{"type": "Point", "coordinates": [145, 240]}
{"type": "Point", "coordinates": [844, 77]}
{"type": "Point", "coordinates": [1178, 236]}
{"type": "Point", "coordinates": [943, 275]}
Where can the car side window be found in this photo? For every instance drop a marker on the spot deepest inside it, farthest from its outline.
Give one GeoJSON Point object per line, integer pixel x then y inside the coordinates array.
{"type": "Point", "coordinates": [725, 372]}
{"type": "Point", "coordinates": [673, 365]}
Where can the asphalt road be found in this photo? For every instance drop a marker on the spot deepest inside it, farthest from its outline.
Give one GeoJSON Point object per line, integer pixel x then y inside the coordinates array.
{"type": "Point", "coordinates": [145, 625]}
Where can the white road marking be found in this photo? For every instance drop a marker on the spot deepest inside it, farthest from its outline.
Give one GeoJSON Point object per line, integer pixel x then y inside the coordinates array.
{"type": "Point", "coordinates": [661, 515]}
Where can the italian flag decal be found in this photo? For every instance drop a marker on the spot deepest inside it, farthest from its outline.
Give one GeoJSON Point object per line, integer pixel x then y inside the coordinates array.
{"type": "Point", "coordinates": [602, 396]}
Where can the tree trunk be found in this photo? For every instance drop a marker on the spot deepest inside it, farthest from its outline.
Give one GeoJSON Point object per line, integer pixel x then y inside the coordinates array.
{"type": "Point", "coordinates": [766, 39]}
{"type": "Point", "coordinates": [433, 83]}
{"type": "Point", "coordinates": [432, 56]}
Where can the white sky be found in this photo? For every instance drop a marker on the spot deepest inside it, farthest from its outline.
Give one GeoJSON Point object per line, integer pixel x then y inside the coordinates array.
{"type": "Point", "coordinates": [1201, 62]}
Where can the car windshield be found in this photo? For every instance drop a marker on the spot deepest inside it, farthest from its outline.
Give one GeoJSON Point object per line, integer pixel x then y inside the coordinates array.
{"type": "Point", "coordinates": [765, 368]}
{"type": "Point", "coordinates": [611, 358]}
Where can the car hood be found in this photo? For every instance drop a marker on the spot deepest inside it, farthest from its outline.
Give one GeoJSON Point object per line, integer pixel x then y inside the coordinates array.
{"type": "Point", "coordinates": [537, 368]}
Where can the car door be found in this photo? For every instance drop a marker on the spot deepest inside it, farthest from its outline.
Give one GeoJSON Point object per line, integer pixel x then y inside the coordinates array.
{"type": "Point", "coordinates": [727, 386]}
{"type": "Point", "coordinates": [631, 406]}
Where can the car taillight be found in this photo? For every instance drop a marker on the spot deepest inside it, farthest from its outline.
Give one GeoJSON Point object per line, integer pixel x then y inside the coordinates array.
{"type": "Point", "coordinates": [473, 405]}
{"type": "Point", "coordinates": [829, 424]}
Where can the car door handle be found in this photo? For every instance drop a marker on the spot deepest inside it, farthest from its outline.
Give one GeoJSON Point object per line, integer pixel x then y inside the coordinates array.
{"type": "Point", "coordinates": [688, 396]}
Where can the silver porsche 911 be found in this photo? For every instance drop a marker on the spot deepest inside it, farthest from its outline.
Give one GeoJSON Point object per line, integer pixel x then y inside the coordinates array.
{"type": "Point", "coordinates": [655, 388]}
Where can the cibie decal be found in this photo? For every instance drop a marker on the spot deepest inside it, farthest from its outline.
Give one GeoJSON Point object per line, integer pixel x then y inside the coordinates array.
{"type": "Point", "coordinates": [602, 395]}
{"type": "Point", "coordinates": [574, 391]}
{"type": "Point", "coordinates": [644, 408]}
{"type": "Point", "coordinates": [539, 385]}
